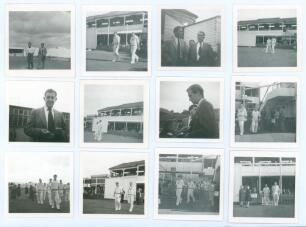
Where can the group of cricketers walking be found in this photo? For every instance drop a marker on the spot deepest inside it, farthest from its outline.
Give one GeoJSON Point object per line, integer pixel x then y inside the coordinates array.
{"type": "Point", "coordinates": [52, 193]}
{"type": "Point", "coordinates": [134, 46]}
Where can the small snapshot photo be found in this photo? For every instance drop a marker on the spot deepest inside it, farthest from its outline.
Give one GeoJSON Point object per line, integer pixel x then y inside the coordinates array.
{"type": "Point", "coordinates": [266, 111]}
{"type": "Point", "coordinates": [40, 112]}
{"type": "Point", "coordinates": [113, 184]}
{"type": "Point", "coordinates": [114, 113]}
{"type": "Point", "coordinates": [40, 39]}
{"type": "Point", "coordinates": [39, 184]}
{"type": "Point", "coordinates": [116, 39]}
{"type": "Point", "coordinates": [190, 110]}
{"type": "Point", "coordinates": [267, 37]}
{"type": "Point", "coordinates": [189, 184]}
{"type": "Point", "coordinates": [263, 188]}
{"type": "Point", "coordinates": [191, 37]}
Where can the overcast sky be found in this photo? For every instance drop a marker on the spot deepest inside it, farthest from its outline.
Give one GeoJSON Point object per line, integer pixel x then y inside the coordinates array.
{"type": "Point", "coordinates": [31, 94]}
{"type": "Point", "coordinates": [253, 14]}
{"type": "Point", "coordinates": [23, 167]}
{"type": "Point", "coordinates": [52, 28]}
{"type": "Point", "coordinates": [173, 94]}
{"type": "Point", "coordinates": [100, 96]}
{"type": "Point", "coordinates": [205, 13]}
{"type": "Point", "coordinates": [93, 163]}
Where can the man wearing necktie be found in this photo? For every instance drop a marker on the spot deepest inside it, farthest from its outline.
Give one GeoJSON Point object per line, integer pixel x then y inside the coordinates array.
{"type": "Point", "coordinates": [175, 51]}
{"type": "Point", "coordinates": [204, 53]}
{"type": "Point", "coordinates": [47, 124]}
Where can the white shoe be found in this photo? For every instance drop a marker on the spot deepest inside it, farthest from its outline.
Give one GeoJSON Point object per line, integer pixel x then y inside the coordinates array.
{"type": "Point", "coordinates": [132, 62]}
{"type": "Point", "coordinates": [113, 60]}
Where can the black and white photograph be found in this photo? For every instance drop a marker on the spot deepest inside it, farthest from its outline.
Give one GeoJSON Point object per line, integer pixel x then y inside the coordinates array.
{"type": "Point", "coordinates": [265, 111]}
{"type": "Point", "coordinates": [189, 109]}
{"type": "Point", "coordinates": [189, 184]}
{"type": "Point", "coordinates": [114, 113]}
{"type": "Point", "coordinates": [266, 38]}
{"type": "Point", "coordinates": [40, 40]}
{"type": "Point", "coordinates": [263, 187]}
{"type": "Point", "coordinates": [40, 112]}
{"type": "Point", "coordinates": [191, 38]}
{"type": "Point", "coordinates": [116, 39]}
{"type": "Point", "coordinates": [39, 184]}
{"type": "Point", "coordinates": [113, 184]}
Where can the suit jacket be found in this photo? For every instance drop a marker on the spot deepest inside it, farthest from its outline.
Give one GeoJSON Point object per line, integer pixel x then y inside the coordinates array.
{"type": "Point", "coordinates": [37, 122]}
{"type": "Point", "coordinates": [169, 56]}
{"type": "Point", "coordinates": [207, 56]}
{"type": "Point", "coordinates": [203, 123]}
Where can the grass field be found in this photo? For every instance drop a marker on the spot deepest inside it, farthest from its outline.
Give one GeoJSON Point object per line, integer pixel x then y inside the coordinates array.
{"type": "Point", "coordinates": [107, 206]}
{"type": "Point", "coordinates": [283, 211]}
{"type": "Point", "coordinates": [25, 205]}
{"type": "Point", "coordinates": [110, 138]}
{"type": "Point", "coordinates": [267, 137]}
{"type": "Point", "coordinates": [101, 60]}
{"type": "Point", "coordinates": [256, 57]}
{"type": "Point", "coordinates": [20, 62]}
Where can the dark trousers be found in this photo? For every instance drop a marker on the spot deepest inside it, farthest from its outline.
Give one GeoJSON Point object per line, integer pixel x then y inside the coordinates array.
{"type": "Point", "coordinates": [30, 61]}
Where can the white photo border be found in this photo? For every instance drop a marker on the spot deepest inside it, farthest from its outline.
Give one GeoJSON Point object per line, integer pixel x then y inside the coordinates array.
{"type": "Point", "coordinates": [219, 80]}
{"type": "Point", "coordinates": [17, 144]}
{"type": "Point", "coordinates": [70, 155]}
{"type": "Point", "coordinates": [206, 151]}
{"type": "Point", "coordinates": [205, 7]}
{"type": "Point", "coordinates": [146, 106]}
{"type": "Point", "coordinates": [263, 220]}
{"type": "Point", "coordinates": [299, 66]}
{"type": "Point", "coordinates": [145, 156]}
{"type": "Point", "coordinates": [265, 145]}
{"type": "Point", "coordinates": [46, 72]}
{"type": "Point", "coordinates": [102, 74]}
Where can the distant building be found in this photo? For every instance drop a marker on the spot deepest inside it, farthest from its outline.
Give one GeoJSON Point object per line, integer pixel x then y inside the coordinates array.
{"type": "Point", "coordinates": [124, 174]}
{"type": "Point", "coordinates": [100, 28]}
{"type": "Point", "coordinates": [180, 17]}
{"type": "Point", "coordinates": [257, 171]}
{"type": "Point", "coordinates": [126, 118]}
{"type": "Point", "coordinates": [188, 166]}
{"type": "Point", "coordinates": [254, 33]}
{"type": "Point", "coordinates": [269, 98]}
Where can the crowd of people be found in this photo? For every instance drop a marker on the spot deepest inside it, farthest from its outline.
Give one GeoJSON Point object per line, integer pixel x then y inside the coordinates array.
{"type": "Point", "coordinates": [268, 195]}
{"type": "Point", "coordinates": [193, 193]}
{"type": "Point", "coordinates": [52, 193]}
{"type": "Point", "coordinates": [176, 52]}
{"type": "Point", "coordinates": [260, 120]}
{"type": "Point", "coordinates": [29, 52]}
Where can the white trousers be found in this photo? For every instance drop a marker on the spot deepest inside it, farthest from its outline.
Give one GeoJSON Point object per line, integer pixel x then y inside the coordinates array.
{"type": "Point", "coordinates": [134, 56]}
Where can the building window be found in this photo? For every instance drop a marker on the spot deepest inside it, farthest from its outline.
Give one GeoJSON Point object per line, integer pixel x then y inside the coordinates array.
{"type": "Point", "coordinates": [133, 19]}
{"type": "Point", "coordinates": [120, 126]}
{"type": "Point", "coordinates": [253, 27]}
{"type": "Point", "coordinates": [130, 172]}
{"type": "Point", "coordinates": [263, 27]}
{"type": "Point", "coordinates": [137, 111]}
{"type": "Point", "coordinates": [276, 26]}
{"type": "Point", "coordinates": [117, 173]}
{"type": "Point", "coordinates": [133, 126]}
{"type": "Point", "coordinates": [117, 21]}
{"type": "Point", "coordinates": [126, 112]}
{"type": "Point", "coordinates": [141, 170]}
{"type": "Point", "coordinates": [102, 23]}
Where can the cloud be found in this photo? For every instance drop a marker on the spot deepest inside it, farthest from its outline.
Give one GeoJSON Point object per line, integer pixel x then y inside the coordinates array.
{"type": "Point", "coordinates": [52, 28]}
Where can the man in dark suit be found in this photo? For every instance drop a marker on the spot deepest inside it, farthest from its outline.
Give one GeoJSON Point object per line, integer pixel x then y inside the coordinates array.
{"type": "Point", "coordinates": [203, 122]}
{"type": "Point", "coordinates": [47, 124]}
{"type": "Point", "coordinates": [174, 52]}
{"type": "Point", "coordinates": [203, 53]}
